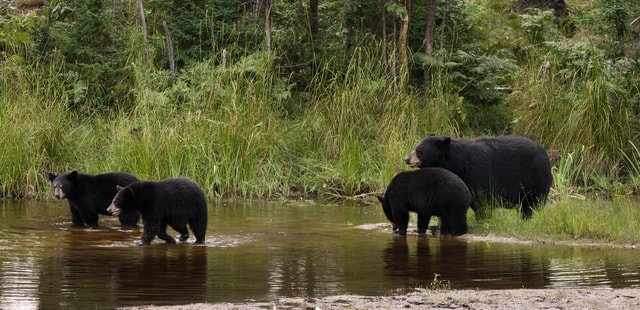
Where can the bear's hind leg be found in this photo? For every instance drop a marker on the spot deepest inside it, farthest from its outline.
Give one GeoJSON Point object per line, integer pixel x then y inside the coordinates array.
{"type": "Point", "coordinates": [162, 234]}
{"type": "Point", "coordinates": [184, 233]}
{"type": "Point", "coordinates": [529, 203]}
{"type": "Point", "coordinates": [454, 225]}
{"type": "Point", "coordinates": [199, 229]}
{"type": "Point", "coordinates": [445, 227]}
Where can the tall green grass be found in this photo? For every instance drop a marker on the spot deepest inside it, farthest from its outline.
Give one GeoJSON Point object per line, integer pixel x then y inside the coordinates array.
{"type": "Point", "coordinates": [229, 131]}
{"type": "Point", "coordinates": [577, 110]}
{"type": "Point", "coordinates": [30, 126]}
{"type": "Point", "coordinates": [570, 219]}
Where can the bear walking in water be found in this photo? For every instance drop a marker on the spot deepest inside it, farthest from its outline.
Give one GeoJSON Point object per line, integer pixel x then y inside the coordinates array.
{"type": "Point", "coordinates": [90, 195]}
{"type": "Point", "coordinates": [429, 191]}
{"type": "Point", "coordinates": [513, 168]}
{"type": "Point", "coordinates": [173, 202]}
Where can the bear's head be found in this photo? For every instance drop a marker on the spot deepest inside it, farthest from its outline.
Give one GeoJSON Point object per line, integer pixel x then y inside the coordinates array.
{"type": "Point", "coordinates": [122, 202]}
{"type": "Point", "coordinates": [429, 152]}
{"type": "Point", "coordinates": [63, 184]}
{"type": "Point", "coordinates": [386, 207]}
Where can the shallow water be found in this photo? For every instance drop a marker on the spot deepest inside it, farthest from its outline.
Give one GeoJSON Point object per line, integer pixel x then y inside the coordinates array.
{"type": "Point", "coordinates": [261, 251]}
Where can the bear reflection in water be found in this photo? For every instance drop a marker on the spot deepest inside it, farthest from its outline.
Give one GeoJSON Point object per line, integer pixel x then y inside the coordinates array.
{"type": "Point", "coordinates": [460, 263]}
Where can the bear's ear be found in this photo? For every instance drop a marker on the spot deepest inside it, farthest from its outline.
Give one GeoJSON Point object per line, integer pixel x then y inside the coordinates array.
{"type": "Point", "coordinates": [432, 135]}
{"type": "Point", "coordinates": [73, 175]}
{"type": "Point", "coordinates": [52, 176]}
{"type": "Point", "coordinates": [444, 142]}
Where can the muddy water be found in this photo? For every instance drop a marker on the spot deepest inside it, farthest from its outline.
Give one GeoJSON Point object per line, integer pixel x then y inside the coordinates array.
{"type": "Point", "coordinates": [258, 251]}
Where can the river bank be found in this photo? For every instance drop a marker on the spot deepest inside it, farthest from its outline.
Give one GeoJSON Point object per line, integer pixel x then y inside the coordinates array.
{"type": "Point", "coordinates": [447, 299]}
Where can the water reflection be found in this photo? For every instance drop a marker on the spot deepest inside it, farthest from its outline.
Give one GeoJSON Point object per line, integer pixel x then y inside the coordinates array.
{"type": "Point", "coordinates": [89, 267]}
{"type": "Point", "coordinates": [161, 274]}
{"type": "Point", "coordinates": [599, 269]}
{"type": "Point", "coordinates": [463, 264]}
{"type": "Point", "coordinates": [575, 272]}
{"type": "Point", "coordinates": [19, 288]}
{"type": "Point", "coordinates": [301, 275]}
{"type": "Point", "coordinates": [263, 251]}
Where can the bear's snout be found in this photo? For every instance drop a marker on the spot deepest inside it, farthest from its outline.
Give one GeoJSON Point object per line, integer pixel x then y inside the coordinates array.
{"type": "Point", "coordinates": [412, 159]}
{"type": "Point", "coordinates": [58, 193]}
{"type": "Point", "coordinates": [115, 211]}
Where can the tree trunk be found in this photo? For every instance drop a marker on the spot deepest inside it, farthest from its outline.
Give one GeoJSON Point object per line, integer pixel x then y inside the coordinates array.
{"type": "Point", "coordinates": [404, 45]}
{"type": "Point", "coordinates": [267, 23]}
{"type": "Point", "coordinates": [394, 56]}
{"type": "Point", "coordinates": [383, 17]}
{"type": "Point", "coordinates": [428, 41]}
{"type": "Point", "coordinates": [172, 64]}
{"type": "Point", "coordinates": [144, 30]}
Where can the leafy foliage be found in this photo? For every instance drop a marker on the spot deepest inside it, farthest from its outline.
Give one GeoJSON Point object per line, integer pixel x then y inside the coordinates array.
{"type": "Point", "coordinates": [480, 79]}
{"type": "Point", "coordinates": [314, 112]}
{"type": "Point", "coordinates": [85, 36]}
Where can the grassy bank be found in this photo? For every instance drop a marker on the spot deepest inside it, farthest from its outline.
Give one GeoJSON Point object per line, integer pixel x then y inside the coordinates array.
{"type": "Point", "coordinates": [569, 219]}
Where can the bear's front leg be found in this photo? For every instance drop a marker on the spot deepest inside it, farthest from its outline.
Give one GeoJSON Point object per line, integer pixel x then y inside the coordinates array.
{"type": "Point", "coordinates": [76, 218]}
{"type": "Point", "coordinates": [149, 232]}
{"type": "Point", "coordinates": [402, 221]}
{"type": "Point", "coordinates": [423, 223]}
{"type": "Point", "coordinates": [129, 219]}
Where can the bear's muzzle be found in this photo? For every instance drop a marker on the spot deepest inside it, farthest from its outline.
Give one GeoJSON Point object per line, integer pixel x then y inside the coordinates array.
{"type": "Point", "coordinates": [115, 211]}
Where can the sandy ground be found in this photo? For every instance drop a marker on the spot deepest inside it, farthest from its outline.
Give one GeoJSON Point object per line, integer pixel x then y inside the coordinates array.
{"type": "Point", "coordinates": [449, 299]}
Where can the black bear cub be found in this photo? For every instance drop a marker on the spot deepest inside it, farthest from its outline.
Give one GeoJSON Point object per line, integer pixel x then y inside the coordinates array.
{"type": "Point", "coordinates": [90, 195]}
{"type": "Point", "coordinates": [173, 202]}
{"type": "Point", "coordinates": [428, 191]}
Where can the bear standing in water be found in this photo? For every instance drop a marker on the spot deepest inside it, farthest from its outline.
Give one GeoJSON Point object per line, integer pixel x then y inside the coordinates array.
{"type": "Point", "coordinates": [90, 195]}
{"type": "Point", "coordinates": [429, 191]}
{"type": "Point", "coordinates": [173, 202]}
{"type": "Point", "coordinates": [513, 168]}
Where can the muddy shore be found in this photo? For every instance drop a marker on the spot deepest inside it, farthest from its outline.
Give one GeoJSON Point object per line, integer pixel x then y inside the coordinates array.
{"type": "Point", "coordinates": [447, 299]}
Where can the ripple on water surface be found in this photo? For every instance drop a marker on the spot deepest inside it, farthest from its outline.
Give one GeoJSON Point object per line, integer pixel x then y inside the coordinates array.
{"type": "Point", "coordinates": [264, 251]}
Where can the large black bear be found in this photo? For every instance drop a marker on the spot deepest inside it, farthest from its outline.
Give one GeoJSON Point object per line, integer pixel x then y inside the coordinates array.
{"type": "Point", "coordinates": [175, 202]}
{"type": "Point", "coordinates": [90, 195]}
{"type": "Point", "coordinates": [429, 191]}
{"type": "Point", "coordinates": [513, 168]}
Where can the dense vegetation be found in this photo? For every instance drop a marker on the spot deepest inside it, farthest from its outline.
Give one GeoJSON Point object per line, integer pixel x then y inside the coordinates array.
{"type": "Point", "coordinates": [263, 104]}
